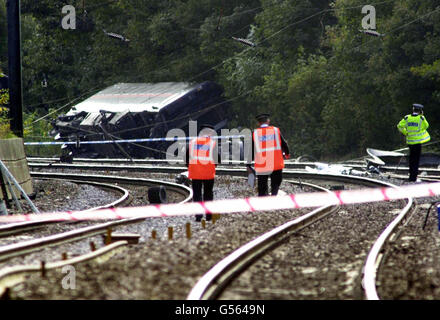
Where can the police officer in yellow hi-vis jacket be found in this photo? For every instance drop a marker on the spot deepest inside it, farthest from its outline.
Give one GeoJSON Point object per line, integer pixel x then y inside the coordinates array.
{"type": "Point", "coordinates": [414, 126]}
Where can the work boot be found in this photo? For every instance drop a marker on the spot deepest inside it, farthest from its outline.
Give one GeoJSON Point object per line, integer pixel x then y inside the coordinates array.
{"type": "Point", "coordinates": [208, 217]}
{"type": "Point", "coordinates": [199, 217]}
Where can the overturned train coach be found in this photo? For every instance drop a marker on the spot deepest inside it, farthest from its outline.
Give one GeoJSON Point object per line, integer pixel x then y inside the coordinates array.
{"type": "Point", "coordinates": [138, 110]}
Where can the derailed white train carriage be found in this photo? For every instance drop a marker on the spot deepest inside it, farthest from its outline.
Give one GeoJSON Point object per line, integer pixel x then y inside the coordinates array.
{"type": "Point", "coordinates": [139, 110]}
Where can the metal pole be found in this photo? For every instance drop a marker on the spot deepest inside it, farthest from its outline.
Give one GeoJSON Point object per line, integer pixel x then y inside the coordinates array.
{"type": "Point", "coordinates": [11, 190]}
{"type": "Point", "coordinates": [3, 209]}
{"type": "Point", "coordinates": [11, 178]}
{"type": "Point", "coordinates": [4, 191]}
{"type": "Point", "coordinates": [14, 57]}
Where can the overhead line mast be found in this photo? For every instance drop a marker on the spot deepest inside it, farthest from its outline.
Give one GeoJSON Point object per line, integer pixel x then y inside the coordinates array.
{"type": "Point", "coordinates": [14, 60]}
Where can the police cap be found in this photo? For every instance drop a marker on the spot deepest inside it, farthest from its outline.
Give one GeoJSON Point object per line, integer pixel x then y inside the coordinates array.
{"type": "Point", "coordinates": [262, 117]}
{"type": "Point", "coordinates": [417, 106]}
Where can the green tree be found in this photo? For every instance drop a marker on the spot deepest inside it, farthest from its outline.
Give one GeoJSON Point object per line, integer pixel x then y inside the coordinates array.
{"type": "Point", "coordinates": [331, 89]}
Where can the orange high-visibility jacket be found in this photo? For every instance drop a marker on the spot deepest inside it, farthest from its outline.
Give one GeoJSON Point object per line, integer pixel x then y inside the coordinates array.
{"type": "Point", "coordinates": [268, 152]}
{"type": "Point", "coordinates": [201, 159]}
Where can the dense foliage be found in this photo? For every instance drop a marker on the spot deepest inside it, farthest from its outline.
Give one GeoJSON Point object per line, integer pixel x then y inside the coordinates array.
{"type": "Point", "coordinates": [331, 89]}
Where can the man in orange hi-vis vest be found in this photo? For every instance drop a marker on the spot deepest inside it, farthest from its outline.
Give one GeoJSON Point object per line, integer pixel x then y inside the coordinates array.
{"type": "Point", "coordinates": [270, 150]}
{"type": "Point", "coordinates": [202, 157]}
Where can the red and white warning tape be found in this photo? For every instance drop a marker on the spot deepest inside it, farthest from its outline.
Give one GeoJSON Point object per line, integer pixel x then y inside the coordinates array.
{"type": "Point", "coordinates": [252, 204]}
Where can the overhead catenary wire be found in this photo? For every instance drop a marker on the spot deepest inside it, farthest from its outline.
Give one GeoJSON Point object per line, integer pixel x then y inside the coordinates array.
{"type": "Point", "coordinates": [88, 92]}
{"type": "Point", "coordinates": [387, 33]}
{"type": "Point", "coordinates": [281, 30]}
{"type": "Point", "coordinates": [272, 35]}
{"type": "Point", "coordinates": [253, 9]}
{"type": "Point", "coordinates": [269, 37]}
{"type": "Point", "coordinates": [71, 101]}
{"type": "Point", "coordinates": [60, 108]}
{"type": "Point", "coordinates": [237, 54]}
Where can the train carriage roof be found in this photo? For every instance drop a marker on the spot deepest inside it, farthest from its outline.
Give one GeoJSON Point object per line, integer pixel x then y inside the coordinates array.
{"type": "Point", "coordinates": [134, 97]}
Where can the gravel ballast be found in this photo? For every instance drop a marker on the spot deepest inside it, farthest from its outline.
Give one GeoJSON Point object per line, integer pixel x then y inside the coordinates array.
{"type": "Point", "coordinates": [323, 261]}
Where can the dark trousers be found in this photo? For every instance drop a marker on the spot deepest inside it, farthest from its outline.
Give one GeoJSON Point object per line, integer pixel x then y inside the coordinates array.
{"type": "Point", "coordinates": [206, 195]}
{"type": "Point", "coordinates": [415, 151]}
{"type": "Point", "coordinates": [276, 177]}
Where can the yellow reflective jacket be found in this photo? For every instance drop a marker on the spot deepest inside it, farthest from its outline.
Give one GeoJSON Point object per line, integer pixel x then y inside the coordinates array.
{"type": "Point", "coordinates": [414, 126]}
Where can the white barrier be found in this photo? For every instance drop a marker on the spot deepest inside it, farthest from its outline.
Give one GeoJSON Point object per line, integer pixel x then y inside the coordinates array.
{"type": "Point", "coordinates": [253, 204]}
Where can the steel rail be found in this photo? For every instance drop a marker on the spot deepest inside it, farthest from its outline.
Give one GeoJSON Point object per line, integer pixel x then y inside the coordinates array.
{"type": "Point", "coordinates": [36, 160]}
{"type": "Point", "coordinates": [389, 168]}
{"type": "Point", "coordinates": [178, 188]}
{"type": "Point", "coordinates": [374, 258]}
{"type": "Point", "coordinates": [123, 200]}
{"type": "Point", "coordinates": [54, 162]}
{"type": "Point", "coordinates": [422, 178]}
{"type": "Point", "coordinates": [220, 170]}
{"type": "Point", "coordinates": [12, 276]}
{"type": "Point", "coordinates": [25, 247]}
{"type": "Point", "coordinates": [20, 227]}
{"type": "Point", "coordinates": [218, 277]}
{"type": "Point", "coordinates": [430, 178]}
{"type": "Point", "coordinates": [21, 248]}
{"type": "Point", "coordinates": [16, 228]}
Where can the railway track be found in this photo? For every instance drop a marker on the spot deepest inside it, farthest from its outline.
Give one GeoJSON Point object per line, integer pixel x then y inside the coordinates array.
{"type": "Point", "coordinates": [213, 282]}
{"type": "Point", "coordinates": [302, 175]}
{"type": "Point", "coordinates": [70, 236]}
{"type": "Point", "coordinates": [359, 165]}
{"type": "Point", "coordinates": [235, 168]}
{"type": "Point", "coordinates": [36, 162]}
{"type": "Point", "coordinates": [17, 228]}
{"type": "Point", "coordinates": [25, 247]}
{"type": "Point", "coordinates": [151, 166]}
{"type": "Point", "coordinates": [375, 256]}
{"type": "Point", "coordinates": [98, 178]}
{"type": "Point", "coordinates": [216, 279]}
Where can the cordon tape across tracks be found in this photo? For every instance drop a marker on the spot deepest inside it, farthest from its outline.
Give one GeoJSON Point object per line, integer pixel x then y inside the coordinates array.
{"type": "Point", "coordinates": [253, 204]}
{"type": "Point", "coordinates": [79, 142]}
